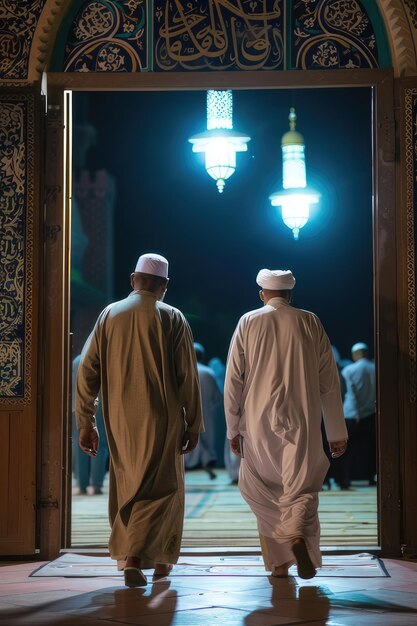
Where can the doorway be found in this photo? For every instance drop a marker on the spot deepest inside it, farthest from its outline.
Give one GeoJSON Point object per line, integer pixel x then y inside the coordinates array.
{"type": "Point", "coordinates": [155, 194]}
{"type": "Point", "coordinates": [52, 527]}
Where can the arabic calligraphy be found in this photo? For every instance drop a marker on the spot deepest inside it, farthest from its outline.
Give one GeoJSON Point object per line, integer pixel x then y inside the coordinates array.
{"type": "Point", "coordinates": [18, 21]}
{"type": "Point", "coordinates": [12, 246]}
{"type": "Point", "coordinates": [332, 34]}
{"type": "Point", "coordinates": [219, 35]}
{"type": "Point", "coordinates": [115, 35]}
{"type": "Point", "coordinates": [108, 36]}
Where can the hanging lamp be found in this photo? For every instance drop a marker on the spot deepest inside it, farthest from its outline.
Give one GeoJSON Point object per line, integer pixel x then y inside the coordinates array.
{"type": "Point", "coordinates": [296, 197]}
{"type": "Point", "coordinates": [220, 142]}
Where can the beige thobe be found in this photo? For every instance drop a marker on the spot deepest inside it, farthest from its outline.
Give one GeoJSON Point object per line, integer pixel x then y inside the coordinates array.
{"type": "Point", "coordinates": [141, 355]}
{"type": "Point", "coordinates": [281, 378]}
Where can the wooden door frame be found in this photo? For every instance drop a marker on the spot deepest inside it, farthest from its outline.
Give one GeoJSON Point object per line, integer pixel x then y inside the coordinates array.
{"type": "Point", "coordinates": [406, 109]}
{"type": "Point", "coordinates": [57, 264]}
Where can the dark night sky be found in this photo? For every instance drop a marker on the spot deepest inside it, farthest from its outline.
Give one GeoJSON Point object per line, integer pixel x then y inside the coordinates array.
{"type": "Point", "coordinates": [215, 243]}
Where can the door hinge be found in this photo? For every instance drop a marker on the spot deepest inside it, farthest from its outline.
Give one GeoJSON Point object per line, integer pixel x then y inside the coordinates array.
{"type": "Point", "coordinates": [47, 504]}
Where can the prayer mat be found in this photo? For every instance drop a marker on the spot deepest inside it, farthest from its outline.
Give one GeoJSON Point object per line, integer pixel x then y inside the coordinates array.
{"type": "Point", "coordinates": [217, 515]}
{"type": "Point", "coordinates": [71, 565]}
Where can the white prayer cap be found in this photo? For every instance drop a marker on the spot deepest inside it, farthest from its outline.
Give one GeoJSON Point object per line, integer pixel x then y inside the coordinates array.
{"type": "Point", "coordinates": [358, 346]}
{"type": "Point", "coordinates": [276, 280]}
{"type": "Point", "coordinates": [152, 263]}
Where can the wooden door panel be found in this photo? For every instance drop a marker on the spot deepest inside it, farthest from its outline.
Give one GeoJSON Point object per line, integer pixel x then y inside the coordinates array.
{"type": "Point", "coordinates": [20, 264]}
{"type": "Point", "coordinates": [17, 483]}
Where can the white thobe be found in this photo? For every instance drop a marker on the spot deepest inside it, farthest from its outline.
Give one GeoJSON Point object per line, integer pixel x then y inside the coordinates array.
{"type": "Point", "coordinates": [141, 355]}
{"type": "Point", "coordinates": [281, 378]}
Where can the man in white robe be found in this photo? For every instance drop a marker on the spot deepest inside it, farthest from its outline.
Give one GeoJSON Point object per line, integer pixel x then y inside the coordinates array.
{"type": "Point", "coordinates": [281, 379]}
{"type": "Point", "coordinates": [140, 354]}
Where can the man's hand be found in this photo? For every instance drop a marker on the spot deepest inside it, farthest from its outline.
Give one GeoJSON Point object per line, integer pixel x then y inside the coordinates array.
{"type": "Point", "coordinates": [235, 445]}
{"type": "Point", "coordinates": [337, 448]}
{"type": "Point", "coordinates": [189, 442]}
{"type": "Point", "coordinates": [88, 440]}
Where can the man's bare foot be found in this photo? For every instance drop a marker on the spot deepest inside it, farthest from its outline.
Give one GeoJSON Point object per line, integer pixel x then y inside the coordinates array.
{"type": "Point", "coordinates": [280, 571]}
{"type": "Point", "coordinates": [162, 569]}
{"type": "Point", "coordinates": [305, 565]}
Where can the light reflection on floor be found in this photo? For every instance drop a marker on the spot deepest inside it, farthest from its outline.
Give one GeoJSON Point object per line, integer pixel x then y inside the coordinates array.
{"type": "Point", "coordinates": [210, 601]}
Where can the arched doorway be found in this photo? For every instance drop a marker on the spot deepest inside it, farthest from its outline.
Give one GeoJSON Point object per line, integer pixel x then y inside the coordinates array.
{"type": "Point", "coordinates": [393, 335]}
{"type": "Point", "coordinates": [38, 358]}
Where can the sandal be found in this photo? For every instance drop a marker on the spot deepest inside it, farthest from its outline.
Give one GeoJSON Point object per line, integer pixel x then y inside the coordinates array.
{"type": "Point", "coordinates": [134, 577]}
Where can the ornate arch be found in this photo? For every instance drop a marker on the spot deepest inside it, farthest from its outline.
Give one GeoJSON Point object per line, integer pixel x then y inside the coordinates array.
{"type": "Point", "coordinates": [31, 37]}
{"type": "Point", "coordinates": [401, 26]}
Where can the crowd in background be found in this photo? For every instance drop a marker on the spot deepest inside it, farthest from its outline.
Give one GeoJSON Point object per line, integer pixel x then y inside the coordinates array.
{"type": "Point", "coordinates": [357, 384]}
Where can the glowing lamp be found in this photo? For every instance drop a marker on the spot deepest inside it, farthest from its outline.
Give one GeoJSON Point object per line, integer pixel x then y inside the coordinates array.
{"type": "Point", "coordinates": [296, 198]}
{"type": "Point", "coordinates": [220, 142]}
{"type": "Point", "coordinates": [295, 207]}
{"type": "Point", "coordinates": [293, 157]}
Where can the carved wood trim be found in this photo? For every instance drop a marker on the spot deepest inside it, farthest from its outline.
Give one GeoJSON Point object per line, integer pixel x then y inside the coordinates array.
{"type": "Point", "coordinates": [411, 172]}
{"type": "Point", "coordinates": [45, 35]}
{"type": "Point", "coordinates": [400, 33]}
{"type": "Point", "coordinates": [406, 302]}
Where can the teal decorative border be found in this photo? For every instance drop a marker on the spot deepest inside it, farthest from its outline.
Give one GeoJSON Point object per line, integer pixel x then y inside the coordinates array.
{"type": "Point", "coordinates": [16, 245]}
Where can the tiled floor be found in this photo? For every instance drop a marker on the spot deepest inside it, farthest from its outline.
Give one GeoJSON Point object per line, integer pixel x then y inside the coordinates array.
{"type": "Point", "coordinates": [209, 600]}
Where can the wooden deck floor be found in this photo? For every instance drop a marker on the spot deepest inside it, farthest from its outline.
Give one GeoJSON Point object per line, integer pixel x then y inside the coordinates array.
{"type": "Point", "coordinates": [216, 515]}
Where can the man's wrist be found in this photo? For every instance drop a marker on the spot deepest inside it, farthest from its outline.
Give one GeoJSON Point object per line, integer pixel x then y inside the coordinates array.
{"type": "Point", "coordinates": [84, 422]}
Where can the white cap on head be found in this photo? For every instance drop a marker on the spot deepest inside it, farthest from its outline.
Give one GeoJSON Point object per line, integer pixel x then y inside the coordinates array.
{"type": "Point", "coordinates": [152, 263]}
{"type": "Point", "coordinates": [358, 346]}
{"type": "Point", "coordinates": [276, 280]}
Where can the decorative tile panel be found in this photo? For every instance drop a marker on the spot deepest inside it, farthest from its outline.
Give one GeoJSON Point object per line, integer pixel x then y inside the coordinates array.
{"type": "Point", "coordinates": [332, 34]}
{"type": "Point", "coordinates": [218, 35]}
{"type": "Point", "coordinates": [108, 36]}
{"type": "Point", "coordinates": [18, 20]}
{"type": "Point", "coordinates": [411, 173]}
{"type": "Point", "coordinates": [16, 245]}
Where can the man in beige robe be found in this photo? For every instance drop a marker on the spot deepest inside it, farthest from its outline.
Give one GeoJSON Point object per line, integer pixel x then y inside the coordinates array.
{"type": "Point", "coordinates": [281, 379]}
{"type": "Point", "coordinates": [140, 354]}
